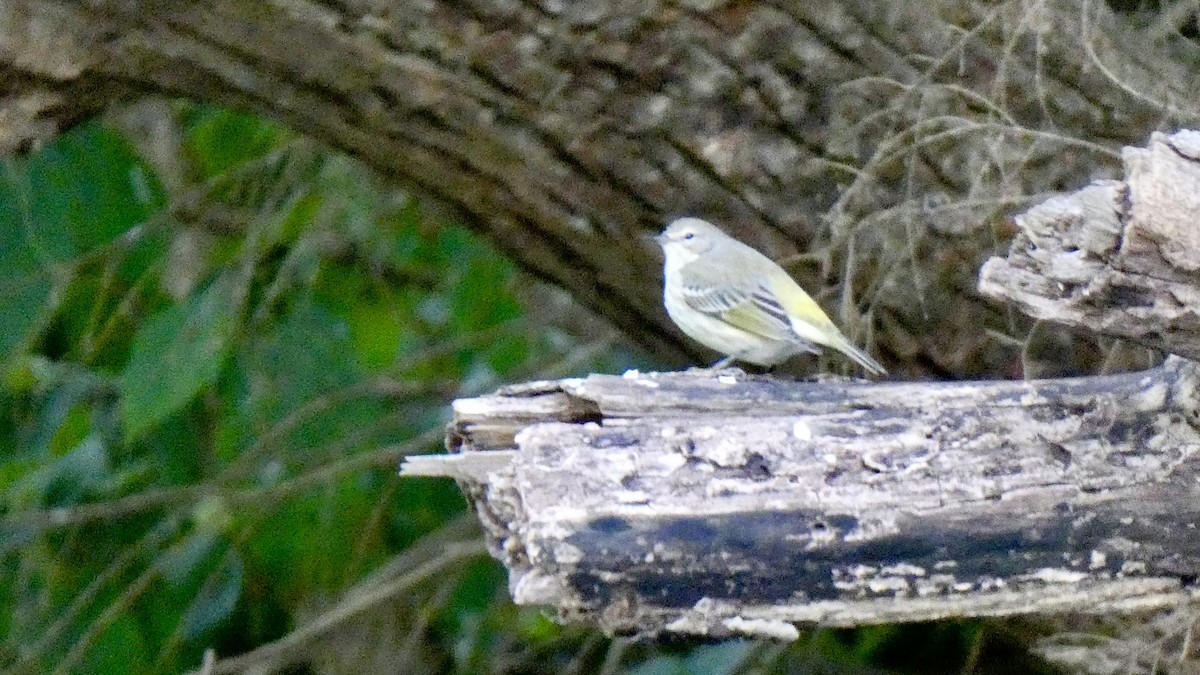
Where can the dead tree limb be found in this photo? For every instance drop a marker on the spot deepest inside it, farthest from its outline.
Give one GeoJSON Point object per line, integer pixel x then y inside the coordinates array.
{"type": "Point", "coordinates": [725, 504]}
{"type": "Point", "coordinates": [1120, 258]}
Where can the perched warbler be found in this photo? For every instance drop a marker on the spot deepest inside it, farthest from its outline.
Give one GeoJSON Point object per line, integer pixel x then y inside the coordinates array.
{"type": "Point", "coordinates": [731, 298]}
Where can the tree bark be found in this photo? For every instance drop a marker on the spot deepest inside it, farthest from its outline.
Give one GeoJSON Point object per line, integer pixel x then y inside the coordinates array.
{"type": "Point", "coordinates": [890, 139]}
{"type": "Point", "coordinates": [1119, 258]}
{"type": "Point", "coordinates": [727, 504]}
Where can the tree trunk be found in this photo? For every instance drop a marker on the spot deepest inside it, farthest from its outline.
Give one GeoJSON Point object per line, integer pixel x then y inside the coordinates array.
{"type": "Point", "coordinates": [890, 139]}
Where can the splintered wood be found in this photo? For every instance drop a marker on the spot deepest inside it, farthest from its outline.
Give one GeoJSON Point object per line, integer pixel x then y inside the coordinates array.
{"type": "Point", "coordinates": [1118, 258]}
{"type": "Point", "coordinates": [722, 504]}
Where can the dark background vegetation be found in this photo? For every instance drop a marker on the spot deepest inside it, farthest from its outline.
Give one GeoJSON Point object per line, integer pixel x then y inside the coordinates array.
{"type": "Point", "coordinates": [222, 325]}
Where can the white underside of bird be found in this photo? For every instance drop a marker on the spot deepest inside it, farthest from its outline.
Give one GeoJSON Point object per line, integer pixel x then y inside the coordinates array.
{"type": "Point", "coordinates": [718, 334]}
{"type": "Point", "coordinates": [765, 337]}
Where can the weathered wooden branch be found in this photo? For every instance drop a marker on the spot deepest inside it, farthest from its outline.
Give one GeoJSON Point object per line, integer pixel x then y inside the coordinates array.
{"type": "Point", "coordinates": [723, 503]}
{"type": "Point", "coordinates": [1119, 258]}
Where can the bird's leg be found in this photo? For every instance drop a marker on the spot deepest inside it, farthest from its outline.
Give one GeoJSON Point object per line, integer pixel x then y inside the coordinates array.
{"type": "Point", "coordinates": [717, 367]}
{"type": "Point", "coordinates": [722, 364]}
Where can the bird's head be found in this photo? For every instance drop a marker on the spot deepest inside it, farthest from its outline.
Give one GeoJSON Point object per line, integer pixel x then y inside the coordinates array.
{"type": "Point", "coordinates": [689, 238]}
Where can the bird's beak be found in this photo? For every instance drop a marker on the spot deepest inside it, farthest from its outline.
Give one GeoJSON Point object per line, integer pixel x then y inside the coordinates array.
{"type": "Point", "coordinates": [660, 238]}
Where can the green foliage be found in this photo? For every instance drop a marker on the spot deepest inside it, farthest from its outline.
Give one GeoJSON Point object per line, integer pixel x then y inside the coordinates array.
{"type": "Point", "coordinates": [175, 354]}
{"type": "Point", "coordinates": [205, 392]}
{"type": "Point", "coordinates": [57, 207]}
{"type": "Point", "coordinates": [211, 386]}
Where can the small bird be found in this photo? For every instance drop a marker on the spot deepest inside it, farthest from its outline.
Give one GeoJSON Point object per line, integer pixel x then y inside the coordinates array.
{"type": "Point", "coordinates": [731, 298]}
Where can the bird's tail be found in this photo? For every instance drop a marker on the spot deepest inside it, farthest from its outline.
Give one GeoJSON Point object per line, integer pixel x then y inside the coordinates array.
{"type": "Point", "coordinates": [859, 356]}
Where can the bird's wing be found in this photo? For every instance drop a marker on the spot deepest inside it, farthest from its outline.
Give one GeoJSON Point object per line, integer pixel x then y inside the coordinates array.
{"type": "Point", "coordinates": [752, 308]}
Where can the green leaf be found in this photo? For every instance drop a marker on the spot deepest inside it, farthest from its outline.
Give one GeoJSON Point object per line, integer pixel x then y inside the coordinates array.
{"type": "Point", "coordinates": [190, 556]}
{"type": "Point", "coordinates": [91, 186]}
{"type": "Point", "coordinates": [306, 356]}
{"type": "Point", "coordinates": [25, 298]}
{"type": "Point", "coordinates": [376, 329]}
{"type": "Point", "coordinates": [27, 272]}
{"type": "Point", "coordinates": [78, 194]}
{"type": "Point", "coordinates": [66, 481]}
{"type": "Point", "coordinates": [218, 140]}
{"type": "Point", "coordinates": [174, 356]}
{"type": "Point", "coordinates": [719, 659]}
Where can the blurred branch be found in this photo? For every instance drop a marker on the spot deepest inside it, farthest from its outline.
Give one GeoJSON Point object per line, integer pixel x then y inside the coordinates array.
{"type": "Point", "coordinates": [414, 567]}
{"type": "Point", "coordinates": [226, 484]}
{"type": "Point", "coordinates": [126, 560]}
{"type": "Point", "coordinates": [152, 499]}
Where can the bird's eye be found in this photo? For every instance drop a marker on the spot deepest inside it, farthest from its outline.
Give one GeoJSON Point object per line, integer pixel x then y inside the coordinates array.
{"type": "Point", "coordinates": [690, 235]}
